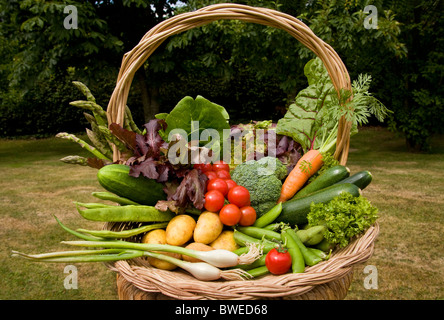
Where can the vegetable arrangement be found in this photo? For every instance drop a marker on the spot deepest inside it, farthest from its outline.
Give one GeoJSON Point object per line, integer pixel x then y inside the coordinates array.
{"type": "Point", "coordinates": [276, 211]}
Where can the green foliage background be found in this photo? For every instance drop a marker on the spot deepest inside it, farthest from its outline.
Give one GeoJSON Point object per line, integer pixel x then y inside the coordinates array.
{"type": "Point", "coordinates": [253, 71]}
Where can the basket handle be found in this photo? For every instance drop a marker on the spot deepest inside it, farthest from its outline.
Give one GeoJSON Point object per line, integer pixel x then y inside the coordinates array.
{"type": "Point", "coordinates": [135, 58]}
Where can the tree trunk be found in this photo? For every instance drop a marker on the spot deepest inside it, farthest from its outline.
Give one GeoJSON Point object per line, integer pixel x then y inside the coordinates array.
{"type": "Point", "coordinates": [149, 97]}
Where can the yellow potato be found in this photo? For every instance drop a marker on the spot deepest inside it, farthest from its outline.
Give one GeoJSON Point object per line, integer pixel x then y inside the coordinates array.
{"type": "Point", "coordinates": [180, 230]}
{"type": "Point", "coordinates": [225, 241]}
{"type": "Point", "coordinates": [208, 227]}
{"type": "Point", "coordinates": [158, 236]}
{"type": "Point", "coordinates": [196, 246]}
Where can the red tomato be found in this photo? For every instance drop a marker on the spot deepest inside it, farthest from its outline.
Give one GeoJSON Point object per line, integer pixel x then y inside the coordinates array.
{"type": "Point", "coordinates": [221, 165]}
{"type": "Point", "coordinates": [210, 174]}
{"type": "Point", "coordinates": [230, 183]}
{"type": "Point", "coordinates": [223, 174]}
{"type": "Point", "coordinates": [205, 167]}
{"type": "Point", "coordinates": [278, 261]}
{"type": "Point", "coordinates": [248, 216]}
{"type": "Point", "coordinates": [239, 196]}
{"type": "Point", "coordinates": [214, 200]}
{"type": "Point", "coordinates": [230, 214]}
{"type": "Point", "coordinates": [218, 184]}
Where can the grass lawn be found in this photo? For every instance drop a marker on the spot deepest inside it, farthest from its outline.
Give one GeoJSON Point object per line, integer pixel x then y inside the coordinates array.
{"type": "Point", "coordinates": [407, 188]}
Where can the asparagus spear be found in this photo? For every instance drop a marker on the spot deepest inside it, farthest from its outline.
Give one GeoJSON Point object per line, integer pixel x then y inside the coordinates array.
{"type": "Point", "coordinates": [83, 144]}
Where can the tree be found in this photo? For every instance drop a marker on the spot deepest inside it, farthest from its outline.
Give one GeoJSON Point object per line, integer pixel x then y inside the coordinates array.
{"type": "Point", "coordinates": [41, 48]}
{"type": "Point", "coordinates": [404, 55]}
{"type": "Point", "coordinates": [273, 56]}
{"type": "Point", "coordinates": [417, 95]}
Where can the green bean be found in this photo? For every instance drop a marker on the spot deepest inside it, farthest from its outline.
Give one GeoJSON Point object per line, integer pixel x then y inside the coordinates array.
{"type": "Point", "coordinates": [268, 217]}
{"type": "Point", "coordinates": [321, 254]}
{"type": "Point", "coordinates": [243, 240]}
{"type": "Point", "coordinates": [312, 235]}
{"type": "Point", "coordinates": [260, 233]}
{"type": "Point", "coordinates": [278, 226]}
{"type": "Point", "coordinates": [193, 211]}
{"type": "Point", "coordinates": [113, 197]}
{"type": "Point", "coordinates": [310, 258]}
{"type": "Point", "coordinates": [92, 205]}
{"type": "Point", "coordinates": [126, 213]}
{"type": "Point", "coordinates": [124, 233]}
{"type": "Point", "coordinates": [257, 272]}
{"type": "Point", "coordinates": [325, 245]}
{"type": "Point", "coordinates": [297, 259]}
{"type": "Point", "coordinates": [257, 263]}
{"type": "Point", "coordinates": [273, 226]}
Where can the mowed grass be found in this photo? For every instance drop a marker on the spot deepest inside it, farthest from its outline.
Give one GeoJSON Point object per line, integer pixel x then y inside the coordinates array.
{"type": "Point", "coordinates": [35, 186]}
{"type": "Point", "coordinates": [407, 188]}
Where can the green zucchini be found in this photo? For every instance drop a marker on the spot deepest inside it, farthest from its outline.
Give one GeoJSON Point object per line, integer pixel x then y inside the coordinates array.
{"type": "Point", "coordinates": [295, 211]}
{"type": "Point", "coordinates": [361, 179]}
{"type": "Point", "coordinates": [115, 178]}
{"type": "Point", "coordinates": [324, 180]}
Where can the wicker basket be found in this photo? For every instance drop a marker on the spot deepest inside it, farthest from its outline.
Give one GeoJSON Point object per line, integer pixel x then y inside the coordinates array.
{"type": "Point", "coordinates": [327, 280]}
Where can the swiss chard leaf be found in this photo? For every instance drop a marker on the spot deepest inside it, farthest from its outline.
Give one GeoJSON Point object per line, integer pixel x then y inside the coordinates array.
{"type": "Point", "coordinates": [308, 120]}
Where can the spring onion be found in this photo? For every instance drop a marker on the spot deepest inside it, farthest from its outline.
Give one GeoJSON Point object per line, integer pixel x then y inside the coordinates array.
{"type": "Point", "coordinates": [81, 256]}
{"type": "Point", "coordinates": [202, 270]}
{"type": "Point", "coordinates": [219, 258]}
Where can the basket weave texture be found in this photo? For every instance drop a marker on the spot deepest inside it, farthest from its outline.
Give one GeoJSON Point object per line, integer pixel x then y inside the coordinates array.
{"type": "Point", "coordinates": [326, 280]}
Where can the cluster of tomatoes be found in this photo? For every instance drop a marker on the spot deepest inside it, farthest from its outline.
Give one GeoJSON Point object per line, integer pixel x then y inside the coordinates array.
{"type": "Point", "coordinates": [220, 189]}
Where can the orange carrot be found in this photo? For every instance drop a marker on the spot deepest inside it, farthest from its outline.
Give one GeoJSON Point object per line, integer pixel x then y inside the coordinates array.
{"type": "Point", "coordinates": [307, 165]}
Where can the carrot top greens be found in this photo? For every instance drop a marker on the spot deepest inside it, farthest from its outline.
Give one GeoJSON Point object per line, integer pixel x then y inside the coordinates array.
{"type": "Point", "coordinates": [312, 119]}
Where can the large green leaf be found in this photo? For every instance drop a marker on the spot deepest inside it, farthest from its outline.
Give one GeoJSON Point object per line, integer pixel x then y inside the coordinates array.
{"type": "Point", "coordinates": [308, 120]}
{"type": "Point", "coordinates": [195, 115]}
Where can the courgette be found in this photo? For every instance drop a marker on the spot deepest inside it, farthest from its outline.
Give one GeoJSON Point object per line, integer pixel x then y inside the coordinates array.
{"type": "Point", "coordinates": [324, 180]}
{"type": "Point", "coordinates": [115, 178]}
{"type": "Point", "coordinates": [295, 211]}
{"type": "Point", "coordinates": [361, 179]}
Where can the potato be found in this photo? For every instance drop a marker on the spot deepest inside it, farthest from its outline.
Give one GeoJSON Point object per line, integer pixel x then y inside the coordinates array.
{"type": "Point", "coordinates": [180, 230]}
{"type": "Point", "coordinates": [196, 246]}
{"type": "Point", "coordinates": [208, 227]}
{"type": "Point", "coordinates": [158, 236]}
{"type": "Point", "coordinates": [225, 241]}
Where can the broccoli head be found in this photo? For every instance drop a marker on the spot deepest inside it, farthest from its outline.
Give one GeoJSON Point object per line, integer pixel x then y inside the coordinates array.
{"type": "Point", "coordinates": [262, 178]}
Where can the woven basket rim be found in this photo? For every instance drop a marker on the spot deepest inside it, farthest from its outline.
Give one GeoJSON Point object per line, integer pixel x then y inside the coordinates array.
{"type": "Point", "coordinates": [178, 284]}
{"type": "Point", "coordinates": [134, 59]}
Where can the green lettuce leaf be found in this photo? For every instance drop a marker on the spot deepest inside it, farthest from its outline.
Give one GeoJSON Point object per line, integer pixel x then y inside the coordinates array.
{"type": "Point", "coordinates": [344, 217]}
